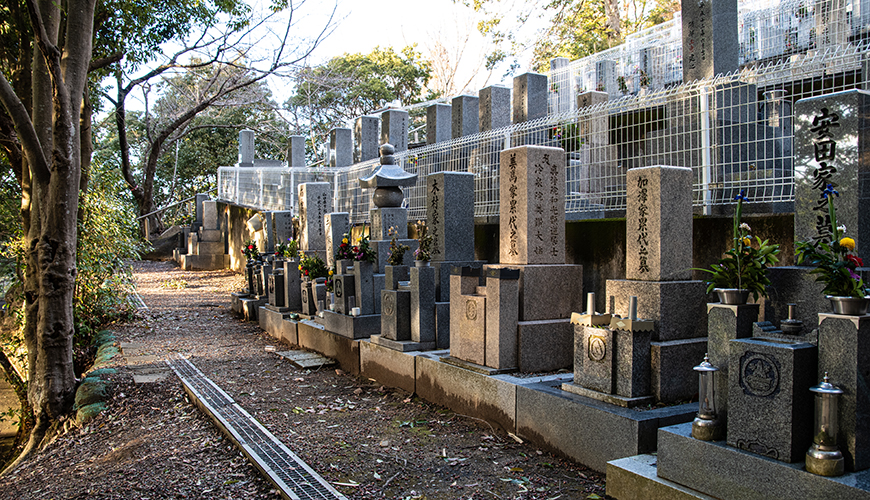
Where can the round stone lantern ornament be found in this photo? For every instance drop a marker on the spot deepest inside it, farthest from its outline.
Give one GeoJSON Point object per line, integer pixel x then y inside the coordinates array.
{"type": "Point", "coordinates": [388, 180]}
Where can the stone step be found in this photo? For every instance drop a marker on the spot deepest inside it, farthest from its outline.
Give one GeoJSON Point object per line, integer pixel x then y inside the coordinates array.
{"type": "Point", "coordinates": [635, 478]}
{"type": "Point", "coordinates": [128, 348]}
{"type": "Point", "coordinates": [305, 359]}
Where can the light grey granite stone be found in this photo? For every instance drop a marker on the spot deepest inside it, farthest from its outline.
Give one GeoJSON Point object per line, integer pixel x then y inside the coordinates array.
{"type": "Point", "coordinates": [352, 327]}
{"type": "Point", "coordinates": [296, 151]}
{"type": "Point", "coordinates": [340, 147]}
{"type": "Point", "coordinates": [442, 276]}
{"type": "Point", "coordinates": [833, 154]}
{"type": "Point", "coordinates": [396, 314]}
{"type": "Point", "coordinates": [844, 352]}
{"type": "Point", "coordinates": [385, 218]}
{"type": "Point", "coordinates": [463, 283]}
{"type": "Point", "coordinates": [282, 223]}
{"type": "Point", "coordinates": [502, 301]}
{"type": "Point", "coordinates": [632, 360]}
{"type": "Point", "coordinates": [532, 207]}
{"type": "Point", "coordinates": [593, 358]}
{"type": "Point", "coordinates": [438, 123]}
{"type": "Point", "coordinates": [315, 201]}
{"type": "Point", "coordinates": [450, 215]}
{"type": "Point", "coordinates": [769, 399]}
{"type": "Point", "coordinates": [495, 107]}
{"type": "Point", "coordinates": [659, 223]}
{"type": "Point", "coordinates": [394, 128]}
{"type": "Point", "coordinates": [465, 110]}
{"type": "Point", "coordinates": [529, 97]}
{"type": "Point", "coordinates": [246, 148]}
{"type": "Point", "coordinates": [710, 44]}
{"type": "Point", "coordinates": [366, 138]}
{"type": "Point", "coordinates": [209, 214]}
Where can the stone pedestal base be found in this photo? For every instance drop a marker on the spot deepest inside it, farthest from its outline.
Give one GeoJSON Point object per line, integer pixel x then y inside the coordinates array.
{"type": "Point", "coordinates": [251, 306]}
{"type": "Point", "coordinates": [191, 262]}
{"type": "Point", "coordinates": [677, 307]}
{"type": "Point", "coordinates": [442, 275]}
{"type": "Point", "coordinates": [724, 324]}
{"type": "Point", "coordinates": [551, 291]}
{"type": "Point", "coordinates": [615, 399]}
{"type": "Point", "coordinates": [468, 365]}
{"type": "Point", "coordinates": [545, 346]}
{"type": "Point", "coordinates": [352, 327]}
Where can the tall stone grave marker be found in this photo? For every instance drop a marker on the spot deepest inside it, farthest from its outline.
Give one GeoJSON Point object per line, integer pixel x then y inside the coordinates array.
{"type": "Point", "coordinates": [710, 44]}
{"type": "Point", "coordinates": [336, 224]}
{"type": "Point", "coordinates": [340, 147]}
{"type": "Point", "coordinates": [315, 201]}
{"type": "Point", "coordinates": [495, 107]}
{"type": "Point", "coordinates": [282, 223]}
{"type": "Point", "coordinates": [529, 97]}
{"type": "Point", "coordinates": [296, 151]}
{"type": "Point", "coordinates": [246, 148]}
{"type": "Point", "coordinates": [438, 123]}
{"type": "Point", "coordinates": [365, 133]}
{"type": "Point", "coordinates": [466, 109]}
{"type": "Point", "coordinates": [394, 128]}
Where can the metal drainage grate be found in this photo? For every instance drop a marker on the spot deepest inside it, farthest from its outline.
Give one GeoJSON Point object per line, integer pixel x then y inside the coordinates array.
{"type": "Point", "coordinates": [293, 477]}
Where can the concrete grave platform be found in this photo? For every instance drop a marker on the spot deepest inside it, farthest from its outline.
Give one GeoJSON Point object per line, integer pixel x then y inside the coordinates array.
{"type": "Point", "coordinates": [306, 359]}
{"type": "Point", "coordinates": [251, 306]}
{"type": "Point", "coordinates": [389, 366]}
{"type": "Point", "coordinates": [212, 262]}
{"type": "Point", "coordinates": [236, 301]}
{"type": "Point", "coordinates": [402, 345]}
{"type": "Point", "coordinates": [342, 349]}
{"type": "Point", "coordinates": [721, 471]}
{"type": "Point", "coordinates": [635, 478]}
{"type": "Point", "coordinates": [590, 431]}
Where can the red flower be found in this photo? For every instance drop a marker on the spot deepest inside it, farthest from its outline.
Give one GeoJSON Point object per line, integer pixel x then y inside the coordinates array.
{"type": "Point", "coordinates": [250, 247]}
{"type": "Point", "coordinates": [306, 272]}
{"type": "Point", "coordinates": [855, 260]}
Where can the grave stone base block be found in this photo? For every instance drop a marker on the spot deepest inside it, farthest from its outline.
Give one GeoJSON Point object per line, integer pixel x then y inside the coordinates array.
{"type": "Point", "coordinates": [423, 314]}
{"type": "Point", "coordinates": [271, 321]}
{"type": "Point", "coordinates": [236, 301]}
{"type": "Point", "coordinates": [477, 368]}
{"type": "Point", "coordinates": [344, 289]}
{"type": "Point", "coordinates": [402, 345]}
{"type": "Point", "coordinates": [593, 359]}
{"type": "Point", "coordinates": [769, 399]}
{"type": "Point", "coordinates": [292, 290]}
{"type": "Point", "coordinates": [715, 470]}
{"type": "Point", "coordinates": [352, 327]}
{"type": "Point", "coordinates": [677, 307]}
{"type": "Point", "coordinates": [672, 378]}
{"type": "Point", "coordinates": [551, 291]}
{"type": "Point", "coordinates": [289, 331]}
{"type": "Point", "coordinates": [545, 345]}
{"type": "Point", "coordinates": [251, 306]}
{"type": "Point", "coordinates": [793, 285]}
{"type": "Point", "coordinates": [632, 364]}
{"type": "Point", "coordinates": [468, 340]}
{"type": "Point", "coordinates": [724, 324]}
{"type": "Point", "coordinates": [390, 366]}
{"type": "Point", "coordinates": [314, 337]}
{"type": "Point", "coordinates": [209, 248]}
{"type": "Point", "coordinates": [613, 399]}
{"type": "Point", "coordinates": [844, 352]}
{"type": "Point", "coordinates": [442, 325]}
{"type": "Point", "coordinates": [210, 235]}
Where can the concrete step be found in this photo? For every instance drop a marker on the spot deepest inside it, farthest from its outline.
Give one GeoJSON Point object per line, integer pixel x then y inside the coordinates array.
{"type": "Point", "coordinates": [636, 478]}
{"type": "Point", "coordinates": [306, 359]}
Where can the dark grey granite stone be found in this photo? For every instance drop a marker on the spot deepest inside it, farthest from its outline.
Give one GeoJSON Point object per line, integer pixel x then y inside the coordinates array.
{"type": "Point", "coordinates": [793, 285]}
{"type": "Point", "coordinates": [632, 363]}
{"type": "Point", "coordinates": [394, 128]}
{"type": "Point", "coordinates": [593, 358]}
{"type": "Point", "coordinates": [382, 252]}
{"type": "Point", "coordinates": [396, 314]}
{"type": "Point", "coordinates": [393, 275]}
{"type": "Point", "coordinates": [422, 285]}
{"type": "Point", "coordinates": [438, 123]}
{"type": "Point", "coordinates": [529, 97]}
{"type": "Point", "coordinates": [344, 288]}
{"type": "Point", "coordinates": [532, 206]}
{"type": "Point", "coordinates": [844, 352]}
{"type": "Point", "coordinates": [659, 223]}
{"type": "Point", "coordinates": [545, 345]}
{"type": "Point", "coordinates": [721, 471]}
{"type": "Point", "coordinates": [770, 406]}
{"type": "Point", "coordinates": [677, 307]}
{"type": "Point", "coordinates": [465, 110]}
{"type": "Point", "coordinates": [442, 276]}
{"type": "Point", "coordinates": [710, 44]}
{"type": "Point", "coordinates": [672, 378]}
{"type": "Point", "coordinates": [276, 289]}
{"type": "Point", "coordinates": [502, 300]}
{"type": "Point", "coordinates": [364, 287]}
{"type": "Point", "coordinates": [843, 150]}
{"type": "Point", "coordinates": [442, 325]}
{"type": "Point", "coordinates": [495, 107]}
{"type": "Point", "coordinates": [450, 215]}
{"type": "Point", "coordinates": [309, 301]}
{"type": "Point", "coordinates": [366, 138]}
{"type": "Point", "coordinates": [549, 291]}
{"type": "Point", "coordinates": [724, 324]}
{"type": "Point", "coordinates": [265, 272]}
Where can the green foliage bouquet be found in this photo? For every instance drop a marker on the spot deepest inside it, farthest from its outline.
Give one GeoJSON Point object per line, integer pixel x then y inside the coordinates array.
{"type": "Point", "coordinates": [397, 250]}
{"type": "Point", "coordinates": [834, 262]}
{"type": "Point", "coordinates": [345, 251]}
{"type": "Point", "coordinates": [312, 267]}
{"type": "Point", "coordinates": [289, 250]}
{"type": "Point", "coordinates": [744, 266]}
{"type": "Point", "coordinates": [424, 251]}
{"type": "Point", "coordinates": [251, 252]}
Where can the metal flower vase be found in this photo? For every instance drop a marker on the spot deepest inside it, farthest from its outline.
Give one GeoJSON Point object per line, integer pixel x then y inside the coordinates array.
{"type": "Point", "coordinates": [732, 296]}
{"type": "Point", "coordinates": [850, 306]}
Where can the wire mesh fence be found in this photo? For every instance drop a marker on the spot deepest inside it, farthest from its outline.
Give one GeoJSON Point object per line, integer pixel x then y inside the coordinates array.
{"type": "Point", "coordinates": [734, 131]}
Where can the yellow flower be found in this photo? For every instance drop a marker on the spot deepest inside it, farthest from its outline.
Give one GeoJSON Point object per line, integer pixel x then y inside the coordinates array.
{"type": "Point", "coordinates": [747, 242]}
{"type": "Point", "coordinates": [344, 240]}
{"type": "Point", "coordinates": [330, 272]}
{"type": "Point", "coordinates": [300, 267]}
{"type": "Point", "coordinates": [848, 244]}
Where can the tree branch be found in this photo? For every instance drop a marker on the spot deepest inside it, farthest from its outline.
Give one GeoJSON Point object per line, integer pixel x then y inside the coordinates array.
{"type": "Point", "coordinates": [26, 133]}
{"type": "Point", "coordinates": [104, 61]}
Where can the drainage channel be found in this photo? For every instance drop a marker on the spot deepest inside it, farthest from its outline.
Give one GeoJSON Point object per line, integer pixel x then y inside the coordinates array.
{"type": "Point", "coordinates": [293, 477]}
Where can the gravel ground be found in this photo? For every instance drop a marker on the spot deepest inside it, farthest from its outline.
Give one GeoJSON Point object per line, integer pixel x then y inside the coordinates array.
{"type": "Point", "coordinates": [369, 440]}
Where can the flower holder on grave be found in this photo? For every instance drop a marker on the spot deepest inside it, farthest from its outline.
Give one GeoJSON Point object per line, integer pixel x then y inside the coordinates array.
{"type": "Point", "coordinates": [844, 352]}
{"type": "Point", "coordinates": [277, 300]}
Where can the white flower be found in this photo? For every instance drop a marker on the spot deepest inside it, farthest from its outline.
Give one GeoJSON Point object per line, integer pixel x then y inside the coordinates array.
{"type": "Point", "coordinates": [745, 227]}
{"type": "Point", "coordinates": [841, 228]}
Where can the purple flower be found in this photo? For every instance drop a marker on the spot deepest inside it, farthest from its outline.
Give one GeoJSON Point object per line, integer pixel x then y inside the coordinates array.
{"type": "Point", "coordinates": [853, 275]}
